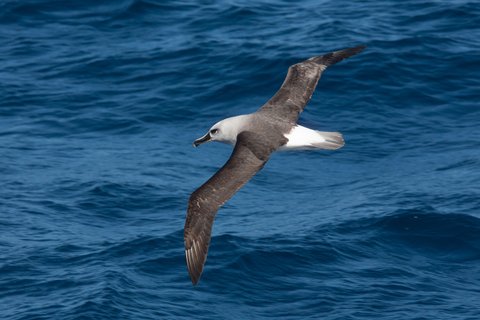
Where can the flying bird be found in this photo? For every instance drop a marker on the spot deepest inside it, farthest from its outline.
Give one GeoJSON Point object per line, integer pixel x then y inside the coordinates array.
{"type": "Point", "coordinates": [254, 137]}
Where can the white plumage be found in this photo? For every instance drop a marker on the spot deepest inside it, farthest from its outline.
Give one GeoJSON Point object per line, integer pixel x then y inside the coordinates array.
{"type": "Point", "coordinates": [304, 138]}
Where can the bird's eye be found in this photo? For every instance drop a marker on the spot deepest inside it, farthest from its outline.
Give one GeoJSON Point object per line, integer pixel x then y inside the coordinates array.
{"type": "Point", "coordinates": [213, 131]}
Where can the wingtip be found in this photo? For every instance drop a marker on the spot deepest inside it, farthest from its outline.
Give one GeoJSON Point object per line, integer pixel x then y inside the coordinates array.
{"type": "Point", "coordinates": [357, 49]}
{"type": "Point", "coordinates": [194, 268]}
{"type": "Point", "coordinates": [195, 278]}
{"type": "Point", "coordinates": [194, 281]}
{"type": "Point", "coordinates": [337, 56]}
{"type": "Point", "coordinates": [353, 50]}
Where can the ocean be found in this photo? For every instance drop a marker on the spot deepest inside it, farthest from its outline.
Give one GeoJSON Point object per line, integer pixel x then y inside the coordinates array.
{"type": "Point", "coordinates": [100, 102]}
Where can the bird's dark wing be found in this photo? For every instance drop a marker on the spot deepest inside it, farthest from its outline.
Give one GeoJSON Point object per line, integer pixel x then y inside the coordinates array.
{"type": "Point", "coordinates": [300, 83]}
{"type": "Point", "coordinates": [248, 157]}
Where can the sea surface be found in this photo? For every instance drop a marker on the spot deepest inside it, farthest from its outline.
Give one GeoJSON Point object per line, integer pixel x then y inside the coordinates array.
{"type": "Point", "coordinates": [100, 102]}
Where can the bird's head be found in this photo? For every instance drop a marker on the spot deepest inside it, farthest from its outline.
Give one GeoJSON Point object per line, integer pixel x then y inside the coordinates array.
{"type": "Point", "coordinates": [225, 131]}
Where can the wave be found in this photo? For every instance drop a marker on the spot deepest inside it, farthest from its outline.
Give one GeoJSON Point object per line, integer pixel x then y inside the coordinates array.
{"type": "Point", "coordinates": [391, 240]}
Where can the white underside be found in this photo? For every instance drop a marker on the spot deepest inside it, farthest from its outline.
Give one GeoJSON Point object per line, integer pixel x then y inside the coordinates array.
{"type": "Point", "coordinates": [304, 138]}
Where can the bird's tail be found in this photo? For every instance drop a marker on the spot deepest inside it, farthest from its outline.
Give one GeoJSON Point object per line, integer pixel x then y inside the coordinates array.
{"type": "Point", "coordinates": [304, 138]}
{"type": "Point", "coordinates": [331, 140]}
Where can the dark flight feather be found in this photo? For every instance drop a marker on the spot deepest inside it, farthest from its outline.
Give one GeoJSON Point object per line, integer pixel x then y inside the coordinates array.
{"type": "Point", "coordinates": [248, 157]}
{"type": "Point", "coordinates": [300, 83]}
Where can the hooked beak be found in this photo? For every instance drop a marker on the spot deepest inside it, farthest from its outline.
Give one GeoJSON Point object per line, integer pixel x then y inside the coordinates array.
{"type": "Point", "coordinates": [201, 140]}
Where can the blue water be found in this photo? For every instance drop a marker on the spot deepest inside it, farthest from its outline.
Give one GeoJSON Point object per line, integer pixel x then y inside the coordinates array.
{"type": "Point", "coordinates": [101, 100]}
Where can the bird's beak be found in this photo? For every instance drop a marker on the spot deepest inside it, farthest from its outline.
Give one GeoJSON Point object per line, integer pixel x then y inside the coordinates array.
{"type": "Point", "coordinates": [201, 140]}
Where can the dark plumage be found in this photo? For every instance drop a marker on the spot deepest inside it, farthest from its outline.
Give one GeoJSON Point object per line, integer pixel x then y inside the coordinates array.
{"type": "Point", "coordinates": [258, 136]}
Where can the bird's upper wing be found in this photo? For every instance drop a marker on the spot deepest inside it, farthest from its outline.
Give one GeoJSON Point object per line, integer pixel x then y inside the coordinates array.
{"type": "Point", "coordinates": [300, 83]}
{"type": "Point", "coordinates": [248, 157]}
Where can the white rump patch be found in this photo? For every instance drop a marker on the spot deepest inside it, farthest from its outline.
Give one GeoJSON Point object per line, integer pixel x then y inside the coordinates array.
{"type": "Point", "coordinates": [304, 138]}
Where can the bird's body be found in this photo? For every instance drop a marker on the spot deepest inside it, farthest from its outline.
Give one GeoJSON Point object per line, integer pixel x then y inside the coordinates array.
{"type": "Point", "coordinates": [298, 137]}
{"type": "Point", "coordinates": [255, 136]}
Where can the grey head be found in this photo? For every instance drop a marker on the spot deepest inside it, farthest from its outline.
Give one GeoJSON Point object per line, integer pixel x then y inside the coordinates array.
{"type": "Point", "coordinates": [225, 131]}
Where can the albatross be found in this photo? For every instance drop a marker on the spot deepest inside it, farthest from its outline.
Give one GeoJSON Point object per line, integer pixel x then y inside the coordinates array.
{"type": "Point", "coordinates": [254, 137]}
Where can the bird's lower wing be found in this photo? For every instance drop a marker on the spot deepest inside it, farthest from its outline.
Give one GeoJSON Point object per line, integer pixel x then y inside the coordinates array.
{"type": "Point", "coordinates": [247, 158]}
{"type": "Point", "coordinates": [300, 83]}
